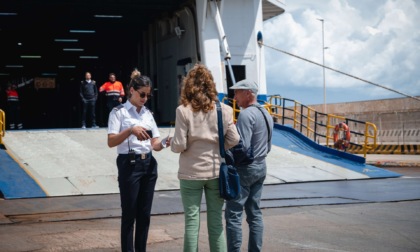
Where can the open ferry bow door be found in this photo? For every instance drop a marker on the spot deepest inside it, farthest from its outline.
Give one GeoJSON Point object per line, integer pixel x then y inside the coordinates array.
{"type": "Point", "coordinates": [239, 73]}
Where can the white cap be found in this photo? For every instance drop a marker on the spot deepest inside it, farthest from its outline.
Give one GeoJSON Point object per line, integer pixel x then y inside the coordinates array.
{"type": "Point", "coordinates": [246, 84]}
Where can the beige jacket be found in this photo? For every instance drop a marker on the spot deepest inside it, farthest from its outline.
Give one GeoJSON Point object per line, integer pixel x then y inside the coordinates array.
{"type": "Point", "coordinates": [196, 138]}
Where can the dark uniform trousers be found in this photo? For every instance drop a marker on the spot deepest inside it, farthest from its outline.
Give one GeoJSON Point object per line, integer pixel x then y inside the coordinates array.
{"type": "Point", "coordinates": [13, 111]}
{"type": "Point", "coordinates": [137, 185]}
{"type": "Point", "coordinates": [89, 106]}
{"type": "Point", "coordinates": [112, 102]}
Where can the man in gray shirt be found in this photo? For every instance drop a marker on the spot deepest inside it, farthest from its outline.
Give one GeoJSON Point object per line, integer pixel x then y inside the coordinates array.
{"type": "Point", "coordinates": [255, 126]}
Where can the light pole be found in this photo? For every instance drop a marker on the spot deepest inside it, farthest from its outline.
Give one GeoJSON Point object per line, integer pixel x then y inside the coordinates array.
{"type": "Point", "coordinates": [323, 66]}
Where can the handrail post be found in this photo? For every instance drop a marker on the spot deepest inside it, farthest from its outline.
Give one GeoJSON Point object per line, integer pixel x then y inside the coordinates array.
{"type": "Point", "coordinates": [375, 131]}
{"type": "Point", "coordinates": [301, 118]}
{"type": "Point", "coordinates": [315, 125]}
{"type": "Point", "coordinates": [308, 118]}
{"type": "Point", "coordinates": [367, 136]}
{"type": "Point", "coordinates": [2, 125]}
{"type": "Point", "coordinates": [366, 140]}
{"type": "Point", "coordinates": [283, 110]}
{"type": "Point", "coordinates": [328, 130]}
{"type": "Point", "coordinates": [294, 116]}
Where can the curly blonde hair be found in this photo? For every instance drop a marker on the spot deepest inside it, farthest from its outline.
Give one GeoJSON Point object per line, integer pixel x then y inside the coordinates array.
{"type": "Point", "coordinates": [199, 89]}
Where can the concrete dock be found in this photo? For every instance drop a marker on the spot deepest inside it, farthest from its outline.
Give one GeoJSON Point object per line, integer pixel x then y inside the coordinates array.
{"type": "Point", "coordinates": [355, 215]}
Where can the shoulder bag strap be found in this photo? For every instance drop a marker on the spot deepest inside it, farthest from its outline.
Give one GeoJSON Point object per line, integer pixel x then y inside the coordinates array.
{"type": "Point", "coordinates": [220, 129]}
{"type": "Point", "coordinates": [266, 123]}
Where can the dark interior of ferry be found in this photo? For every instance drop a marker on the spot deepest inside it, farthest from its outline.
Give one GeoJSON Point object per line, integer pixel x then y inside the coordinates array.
{"type": "Point", "coordinates": [62, 39]}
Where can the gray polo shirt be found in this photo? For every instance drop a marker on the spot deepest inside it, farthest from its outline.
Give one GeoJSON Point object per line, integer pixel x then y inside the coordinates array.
{"type": "Point", "coordinates": [253, 130]}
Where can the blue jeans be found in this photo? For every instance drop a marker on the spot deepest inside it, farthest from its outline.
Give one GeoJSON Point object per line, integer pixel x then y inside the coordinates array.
{"type": "Point", "coordinates": [252, 180]}
{"type": "Point", "coordinates": [191, 193]}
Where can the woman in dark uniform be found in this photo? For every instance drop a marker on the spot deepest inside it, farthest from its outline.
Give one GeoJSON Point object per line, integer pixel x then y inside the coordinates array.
{"type": "Point", "coordinates": [132, 128]}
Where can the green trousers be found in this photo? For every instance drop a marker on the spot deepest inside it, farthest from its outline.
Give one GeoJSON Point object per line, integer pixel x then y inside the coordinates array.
{"type": "Point", "coordinates": [191, 193]}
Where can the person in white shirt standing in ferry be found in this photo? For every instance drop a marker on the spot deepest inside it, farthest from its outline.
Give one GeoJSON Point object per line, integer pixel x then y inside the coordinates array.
{"type": "Point", "coordinates": [132, 128]}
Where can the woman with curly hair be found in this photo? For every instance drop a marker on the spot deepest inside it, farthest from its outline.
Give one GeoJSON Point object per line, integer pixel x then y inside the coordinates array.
{"type": "Point", "coordinates": [196, 139]}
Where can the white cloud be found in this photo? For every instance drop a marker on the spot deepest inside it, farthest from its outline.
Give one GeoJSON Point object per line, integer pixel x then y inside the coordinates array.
{"type": "Point", "coordinates": [372, 31]}
{"type": "Point", "coordinates": [374, 40]}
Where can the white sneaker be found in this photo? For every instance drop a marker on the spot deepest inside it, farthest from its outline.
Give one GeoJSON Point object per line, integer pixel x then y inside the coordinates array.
{"type": "Point", "coordinates": [83, 127]}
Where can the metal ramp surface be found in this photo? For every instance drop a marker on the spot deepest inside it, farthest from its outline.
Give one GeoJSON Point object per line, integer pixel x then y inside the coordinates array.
{"type": "Point", "coordinates": [288, 138]}
{"type": "Point", "coordinates": [63, 162]}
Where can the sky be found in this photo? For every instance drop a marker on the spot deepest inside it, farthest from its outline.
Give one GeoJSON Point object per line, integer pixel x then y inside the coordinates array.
{"type": "Point", "coordinates": [375, 40]}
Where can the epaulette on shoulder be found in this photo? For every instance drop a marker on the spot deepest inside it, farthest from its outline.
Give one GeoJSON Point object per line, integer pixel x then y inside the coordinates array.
{"type": "Point", "coordinates": [119, 107]}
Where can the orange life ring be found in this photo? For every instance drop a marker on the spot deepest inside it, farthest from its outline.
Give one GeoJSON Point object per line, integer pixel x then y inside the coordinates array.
{"type": "Point", "coordinates": [341, 141]}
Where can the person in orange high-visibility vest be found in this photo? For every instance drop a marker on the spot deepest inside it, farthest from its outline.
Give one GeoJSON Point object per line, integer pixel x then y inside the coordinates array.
{"type": "Point", "coordinates": [114, 92]}
{"type": "Point", "coordinates": [13, 107]}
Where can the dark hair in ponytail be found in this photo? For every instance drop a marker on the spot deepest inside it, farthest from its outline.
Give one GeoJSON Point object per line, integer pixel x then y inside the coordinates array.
{"type": "Point", "coordinates": [138, 81]}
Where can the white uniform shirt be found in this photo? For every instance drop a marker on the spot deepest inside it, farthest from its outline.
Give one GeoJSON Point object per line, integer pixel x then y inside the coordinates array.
{"type": "Point", "coordinates": [126, 117]}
